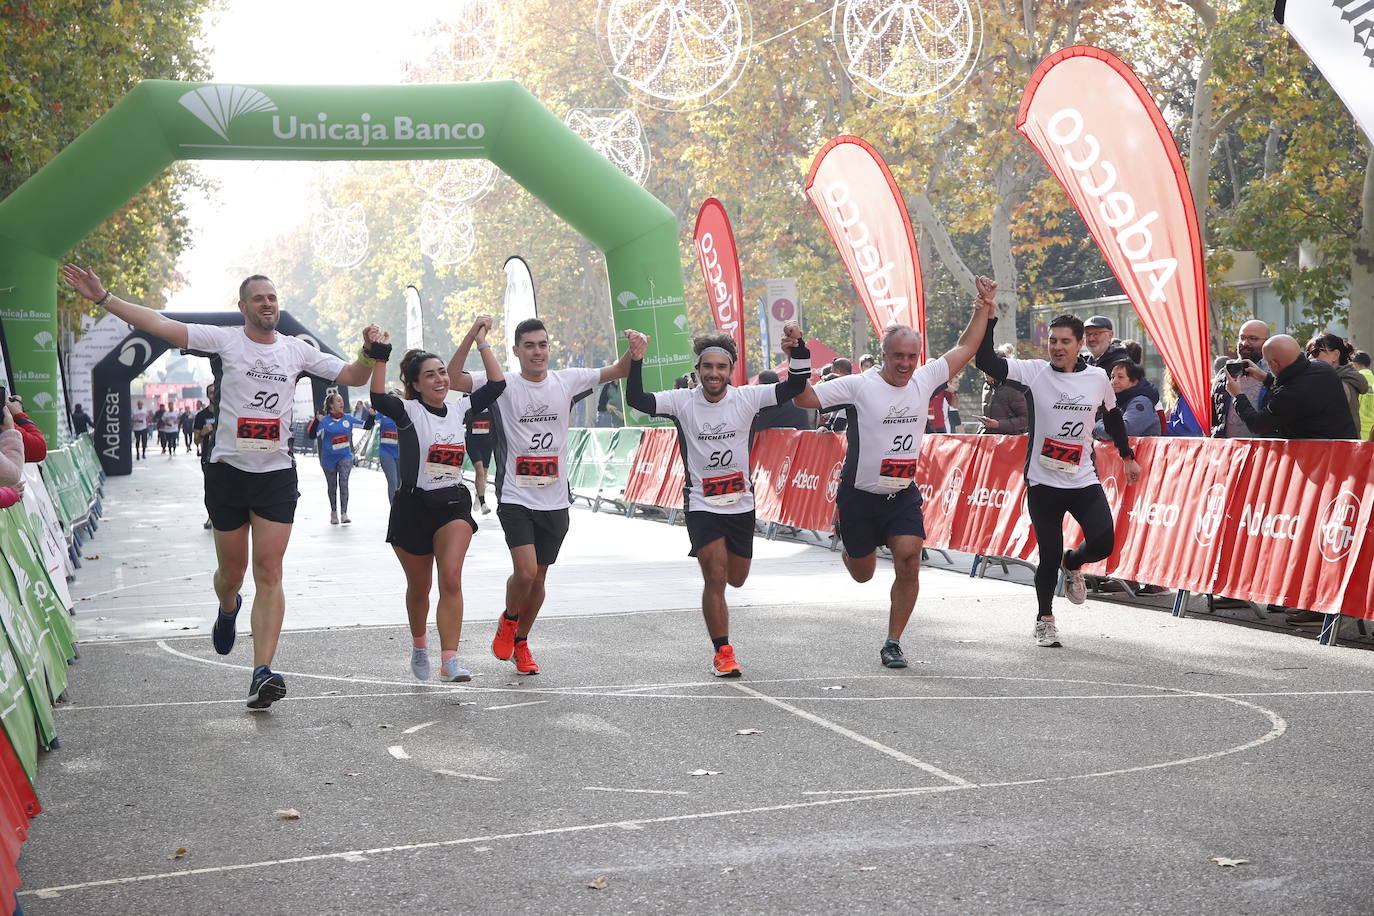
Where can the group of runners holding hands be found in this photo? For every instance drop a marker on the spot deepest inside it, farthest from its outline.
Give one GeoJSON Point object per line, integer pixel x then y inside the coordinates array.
{"type": "Point", "coordinates": [250, 480]}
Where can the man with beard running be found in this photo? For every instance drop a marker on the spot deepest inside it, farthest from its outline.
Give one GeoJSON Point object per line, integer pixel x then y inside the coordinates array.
{"type": "Point", "coordinates": [530, 420]}
{"type": "Point", "coordinates": [250, 477]}
{"type": "Point", "coordinates": [877, 501]}
{"type": "Point", "coordinates": [1063, 394]}
{"type": "Point", "coordinates": [713, 423]}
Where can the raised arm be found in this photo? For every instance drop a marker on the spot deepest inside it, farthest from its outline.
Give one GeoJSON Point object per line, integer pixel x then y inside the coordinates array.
{"type": "Point", "coordinates": [976, 335]}
{"type": "Point", "coordinates": [496, 379]}
{"type": "Point", "coordinates": [620, 368]}
{"type": "Point", "coordinates": [791, 340]}
{"type": "Point", "coordinates": [152, 321]}
{"type": "Point", "coordinates": [458, 379]}
{"type": "Point", "coordinates": [635, 395]}
{"type": "Point", "coordinates": [798, 373]}
{"type": "Point", "coordinates": [360, 370]}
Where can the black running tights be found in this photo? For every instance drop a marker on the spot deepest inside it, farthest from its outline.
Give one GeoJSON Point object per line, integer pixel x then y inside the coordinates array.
{"type": "Point", "coordinates": [1047, 507]}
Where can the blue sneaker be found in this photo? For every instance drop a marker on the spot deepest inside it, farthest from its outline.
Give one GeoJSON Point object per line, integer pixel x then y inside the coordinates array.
{"type": "Point", "coordinates": [224, 632]}
{"type": "Point", "coordinates": [266, 688]}
{"type": "Point", "coordinates": [452, 671]}
{"type": "Point", "coordinates": [419, 663]}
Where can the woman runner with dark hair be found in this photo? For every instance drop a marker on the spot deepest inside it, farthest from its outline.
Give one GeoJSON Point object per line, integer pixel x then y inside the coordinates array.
{"type": "Point", "coordinates": [431, 514]}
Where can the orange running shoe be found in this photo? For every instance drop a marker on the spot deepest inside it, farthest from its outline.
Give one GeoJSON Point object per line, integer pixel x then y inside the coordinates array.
{"type": "Point", "coordinates": [504, 643]}
{"type": "Point", "coordinates": [524, 661]}
{"type": "Point", "coordinates": [725, 664]}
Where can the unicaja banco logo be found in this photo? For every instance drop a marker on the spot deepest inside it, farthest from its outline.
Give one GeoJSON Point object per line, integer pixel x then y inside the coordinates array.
{"type": "Point", "coordinates": [217, 106]}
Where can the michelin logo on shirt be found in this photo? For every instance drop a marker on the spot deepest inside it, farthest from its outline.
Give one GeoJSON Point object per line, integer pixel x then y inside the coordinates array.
{"type": "Point", "coordinates": [1072, 402]}
{"type": "Point", "coordinates": [902, 415]}
{"type": "Point", "coordinates": [710, 432]}
{"type": "Point", "coordinates": [267, 372]}
{"type": "Point", "coordinates": [539, 413]}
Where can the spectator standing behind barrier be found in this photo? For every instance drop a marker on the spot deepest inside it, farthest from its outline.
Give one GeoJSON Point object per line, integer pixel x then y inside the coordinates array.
{"type": "Point", "coordinates": [1361, 360]}
{"type": "Point", "coordinates": [81, 422]}
{"type": "Point", "coordinates": [11, 460]}
{"type": "Point", "coordinates": [1226, 421]}
{"type": "Point", "coordinates": [1136, 399]}
{"type": "Point", "coordinates": [938, 411]}
{"type": "Point", "coordinates": [1306, 399]}
{"type": "Point", "coordinates": [1106, 351]}
{"type": "Point", "coordinates": [35, 445]}
{"type": "Point", "coordinates": [608, 413]}
{"type": "Point", "coordinates": [1004, 403]}
{"type": "Point", "coordinates": [867, 362]}
{"type": "Point", "coordinates": [779, 416]}
{"type": "Point", "coordinates": [1336, 352]}
{"type": "Point", "coordinates": [1179, 416]}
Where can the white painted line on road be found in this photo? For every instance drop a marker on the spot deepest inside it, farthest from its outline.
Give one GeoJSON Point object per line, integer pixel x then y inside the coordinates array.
{"type": "Point", "coordinates": [238, 701]}
{"type": "Point", "coordinates": [851, 791]}
{"type": "Point", "coordinates": [855, 736]}
{"type": "Point", "coordinates": [515, 705]}
{"type": "Point", "coordinates": [636, 791]}
{"type": "Point", "coordinates": [466, 775]}
{"type": "Point", "coordinates": [415, 728]}
{"type": "Point", "coordinates": [398, 752]}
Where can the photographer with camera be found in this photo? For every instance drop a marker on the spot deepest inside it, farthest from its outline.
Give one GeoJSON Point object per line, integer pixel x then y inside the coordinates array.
{"type": "Point", "coordinates": [1226, 422]}
{"type": "Point", "coordinates": [1305, 397]}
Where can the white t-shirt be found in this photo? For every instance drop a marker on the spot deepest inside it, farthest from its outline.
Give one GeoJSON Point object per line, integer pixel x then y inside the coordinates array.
{"type": "Point", "coordinates": [714, 439]}
{"type": "Point", "coordinates": [1063, 408]}
{"type": "Point", "coordinates": [886, 424]}
{"type": "Point", "coordinates": [257, 390]}
{"type": "Point", "coordinates": [140, 420]}
{"type": "Point", "coordinates": [440, 443]}
{"type": "Point", "coordinates": [531, 422]}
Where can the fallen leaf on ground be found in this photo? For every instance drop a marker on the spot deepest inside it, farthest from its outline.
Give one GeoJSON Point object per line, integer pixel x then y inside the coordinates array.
{"type": "Point", "coordinates": [179, 853]}
{"type": "Point", "coordinates": [96, 557]}
{"type": "Point", "coordinates": [748, 731]}
{"type": "Point", "coordinates": [704, 773]}
{"type": "Point", "coordinates": [599, 883]}
{"type": "Point", "coordinates": [834, 687]}
{"type": "Point", "coordinates": [353, 774]}
{"type": "Point", "coordinates": [1224, 862]}
{"type": "Point", "coordinates": [288, 814]}
{"type": "Point", "coordinates": [330, 693]}
{"type": "Point", "coordinates": [482, 849]}
{"type": "Point", "coordinates": [384, 726]}
{"type": "Point", "coordinates": [726, 871]}
{"type": "Point", "coordinates": [868, 868]}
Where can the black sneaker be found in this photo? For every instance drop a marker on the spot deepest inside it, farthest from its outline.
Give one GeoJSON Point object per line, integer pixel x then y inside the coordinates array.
{"type": "Point", "coordinates": [266, 688]}
{"type": "Point", "coordinates": [891, 655]}
{"type": "Point", "coordinates": [224, 630]}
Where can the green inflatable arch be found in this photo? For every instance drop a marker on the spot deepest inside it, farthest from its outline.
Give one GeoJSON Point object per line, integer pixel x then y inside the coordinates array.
{"type": "Point", "coordinates": [160, 122]}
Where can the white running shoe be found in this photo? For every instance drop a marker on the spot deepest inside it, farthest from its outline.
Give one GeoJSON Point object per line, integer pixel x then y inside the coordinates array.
{"type": "Point", "coordinates": [419, 663]}
{"type": "Point", "coordinates": [452, 671]}
{"type": "Point", "coordinates": [1046, 634]}
{"type": "Point", "coordinates": [333, 518]}
{"type": "Point", "coordinates": [344, 519]}
{"type": "Point", "coordinates": [1075, 586]}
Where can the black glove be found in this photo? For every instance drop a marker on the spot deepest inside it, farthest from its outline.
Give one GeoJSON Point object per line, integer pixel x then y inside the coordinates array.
{"type": "Point", "coordinates": [377, 350]}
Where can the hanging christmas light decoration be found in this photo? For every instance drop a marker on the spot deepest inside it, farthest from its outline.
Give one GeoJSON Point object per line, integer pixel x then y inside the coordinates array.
{"type": "Point", "coordinates": [676, 54]}
{"type": "Point", "coordinates": [446, 232]}
{"type": "Point", "coordinates": [615, 133]}
{"type": "Point", "coordinates": [907, 52]}
{"type": "Point", "coordinates": [454, 181]}
{"type": "Point", "coordinates": [463, 48]}
{"type": "Point", "coordinates": [338, 235]}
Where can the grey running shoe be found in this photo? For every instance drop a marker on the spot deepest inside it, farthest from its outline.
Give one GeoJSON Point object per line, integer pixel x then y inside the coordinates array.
{"type": "Point", "coordinates": [1046, 635]}
{"type": "Point", "coordinates": [452, 671]}
{"type": "Point", "coordinates": [891, 655]}
{"type": "Point", "coordinates": [1075, 586]}
{"type": "Point", "coordinates": [419, 663]}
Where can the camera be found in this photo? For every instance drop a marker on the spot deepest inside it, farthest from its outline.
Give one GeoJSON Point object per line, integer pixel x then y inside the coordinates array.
{"type": "Point", "coordinates": [1236, 367]}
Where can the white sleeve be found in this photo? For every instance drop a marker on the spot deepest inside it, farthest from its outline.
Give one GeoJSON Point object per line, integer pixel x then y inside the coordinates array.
{"type": "Point", "coordinates": [317, 362]}
{"type": "Point", "coordinates": [669, 403]}
{"type": "Point", "coordinates": [208, 338]}
{"type": "Point", "coordinates": [582, 380]}
{"type": "Point", "coordinates": [836, 391]}
{"type": "Point", "coordinates": [936, 372]}
{"type": "Point", "coordinates": [760, 396]}
{"type": "Point", "coordinates": [1108, 395]}
{"type": "Point", "coordinates": [1024, 371]}
{"type": "Point", "coordinates": [479, 379]}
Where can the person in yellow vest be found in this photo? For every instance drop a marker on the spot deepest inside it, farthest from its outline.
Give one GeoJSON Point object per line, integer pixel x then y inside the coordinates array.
{"type": "Point", "coordinates": [1361, 360]}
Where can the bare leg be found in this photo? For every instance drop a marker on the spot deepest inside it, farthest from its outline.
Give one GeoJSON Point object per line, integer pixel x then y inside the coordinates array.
{"type": "Point", "coordinates": [906, 560]}
{"type": "Point", "coordinates": [232, 549]}
{"type": "Point", "coordinates": [269, 601]}
{"type": "Point", "coordinates": [450, 548]}
{"type": "Point", "coordinates": [418, 569]}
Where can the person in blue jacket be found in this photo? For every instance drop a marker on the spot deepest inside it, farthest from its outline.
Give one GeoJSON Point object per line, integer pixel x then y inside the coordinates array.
{"type": "Point", "coordinates": [389, 450]}
{"type": "Point", "coordinates": [334, 429]}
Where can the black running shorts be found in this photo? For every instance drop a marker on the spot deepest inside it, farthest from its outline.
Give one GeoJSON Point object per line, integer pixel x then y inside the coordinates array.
{"type": "Point", "coordinates": [479, 450]}
{"type": "Point", "coordinates": [867, 519]}
{"type": "Point", "coordinates": [544, 528]}
{"type": "Point", "coordinates": [231, 493]}
{"type": "Point", "coordinates": [413, 524]}
{"type": "Point", "coordinates": [738, 530]}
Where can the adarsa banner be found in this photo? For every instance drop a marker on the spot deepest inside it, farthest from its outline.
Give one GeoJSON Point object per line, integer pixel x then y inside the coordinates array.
{"type": "Point", "coordinates": [719, 260]}
{"type": "Point", "coordinates": [1265, 520]}
{"type": "Point", "coordinates": [857, 199]}
{"type": "Point", "coordinates": [1102, 136]}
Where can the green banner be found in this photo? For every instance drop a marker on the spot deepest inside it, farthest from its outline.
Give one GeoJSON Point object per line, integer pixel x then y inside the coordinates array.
{"type": "Point", "coordinates": [50, 620]}
{"type": "Point", "coordinates": [160, 122]}
{"type": "Point", "coordinates": [24, 639]}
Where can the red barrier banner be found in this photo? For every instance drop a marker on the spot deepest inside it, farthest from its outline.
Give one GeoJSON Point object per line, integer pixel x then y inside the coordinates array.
{"type": "Point", "coordinates": [1113, 153]}
{"type": "Point", "coordinates": [657, 448]}
{"type": "Point", "coordinates": [1297, 526]}
{"type": "Point", "coordinates": [670, 495]}
{"type": "Point", "coordinates": [943, 463]}
{"type": "Point", "coordinates": [814, 479]}
{"type": "Point", "coordinates": [857, 198]}
{"type": "Point", "coordinates": [719, 260]}
{"type": "Point", "coordinates": [771, 460]}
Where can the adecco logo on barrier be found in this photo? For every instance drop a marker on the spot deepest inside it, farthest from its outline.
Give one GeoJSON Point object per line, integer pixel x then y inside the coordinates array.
{"type": "Point", "coordinates": [954, 488]}
{"type": "Point", "coordinates": [1336, 526]}
{"type": "Point", "coordinates": [1213, 513]}
{"type": "Point", "coordinates": [832, 484]}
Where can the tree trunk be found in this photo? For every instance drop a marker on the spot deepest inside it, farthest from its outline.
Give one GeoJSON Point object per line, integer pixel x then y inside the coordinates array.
{"type": "Point", "coordinates": [999, 244]}
{"type": "Point", "coordinates": [1361, 320]}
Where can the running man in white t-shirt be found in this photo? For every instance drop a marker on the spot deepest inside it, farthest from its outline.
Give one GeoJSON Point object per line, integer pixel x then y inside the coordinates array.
{"type": "Point", "coordinates": [1063, 395]}
{"type": "Point", "coordinates": [713, 422]}
{"type": "Point", "coordinates": [250, 476]}
{"type": "Point", "coordinates": [139, 421]}
{"type": "Point", "coordinates": [877, 500]}
{"type": "Point", "coordinates": [530, 420]}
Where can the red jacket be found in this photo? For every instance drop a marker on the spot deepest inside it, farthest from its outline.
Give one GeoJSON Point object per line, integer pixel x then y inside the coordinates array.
{"type": "Point", "coordinates": [35, 445]}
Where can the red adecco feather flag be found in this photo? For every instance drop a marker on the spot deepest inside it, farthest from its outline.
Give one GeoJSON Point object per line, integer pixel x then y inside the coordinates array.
{"type": "Point", "coordinates": [853, 191]}
{"type": "Point", "coordinates": [1103, 137]}
{"type": "Point", "coordinates": [719, 260]}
